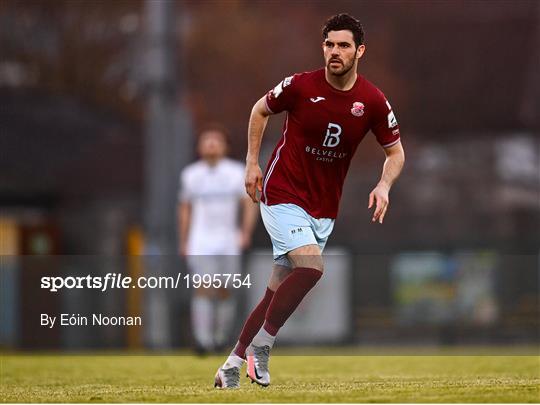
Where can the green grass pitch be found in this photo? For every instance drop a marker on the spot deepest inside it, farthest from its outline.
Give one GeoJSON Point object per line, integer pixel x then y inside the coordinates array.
{"type": "Point", "coordinates": [352, 378]}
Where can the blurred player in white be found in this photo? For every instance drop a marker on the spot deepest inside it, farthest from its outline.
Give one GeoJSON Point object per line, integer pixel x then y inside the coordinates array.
{"type": "Point", "coordinates": [211, 195]}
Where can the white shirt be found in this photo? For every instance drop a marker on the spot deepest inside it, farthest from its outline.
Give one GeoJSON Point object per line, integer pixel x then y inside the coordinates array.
{"type": "Point", "coordinates": [214, 193]}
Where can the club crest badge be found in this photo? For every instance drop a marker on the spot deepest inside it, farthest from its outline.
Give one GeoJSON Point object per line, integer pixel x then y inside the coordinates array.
{"type": "Point", "coordinates": [357, 109]}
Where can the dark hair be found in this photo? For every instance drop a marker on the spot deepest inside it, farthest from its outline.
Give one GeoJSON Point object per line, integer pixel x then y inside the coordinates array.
{"type": "Point", "coordinates": [344, 22]}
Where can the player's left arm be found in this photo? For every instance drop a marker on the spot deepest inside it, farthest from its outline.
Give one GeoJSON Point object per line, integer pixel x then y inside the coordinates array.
{"type": "Point", "coordinates": [395, 159]}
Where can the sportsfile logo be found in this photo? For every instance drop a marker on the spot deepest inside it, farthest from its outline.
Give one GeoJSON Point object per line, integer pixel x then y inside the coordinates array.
{"type": "Point", "coordinates": [113, 281]}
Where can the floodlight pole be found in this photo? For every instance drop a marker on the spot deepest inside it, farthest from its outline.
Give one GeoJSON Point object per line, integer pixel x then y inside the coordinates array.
{"type": "Point", "coordinates": [166, 149]}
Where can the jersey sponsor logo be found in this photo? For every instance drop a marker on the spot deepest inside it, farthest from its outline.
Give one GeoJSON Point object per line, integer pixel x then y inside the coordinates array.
{"type": "Point", "coordinates": [395, 132]}
{"type": "Point", "coordinates": [357, 109]}
{"type": "Point", "coordinates": [317, 99]}
{"type": "Point", "coordinates": [392, 121]}
{"type": "Point", "coordinates": [331, 140]}
{"type": "Point", "coordinates": [325, 155]}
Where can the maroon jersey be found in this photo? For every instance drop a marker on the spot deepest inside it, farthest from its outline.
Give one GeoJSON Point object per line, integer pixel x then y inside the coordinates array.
{"type": "Point", "coordinates": [322, 130]}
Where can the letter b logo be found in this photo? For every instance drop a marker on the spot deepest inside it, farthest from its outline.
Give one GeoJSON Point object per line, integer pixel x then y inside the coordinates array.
{"type": "Point", "coordinates": [333, 132]}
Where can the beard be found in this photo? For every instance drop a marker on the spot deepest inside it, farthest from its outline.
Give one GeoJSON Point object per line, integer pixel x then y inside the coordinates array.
{"type": "Point", "coordinates": [341, 71]}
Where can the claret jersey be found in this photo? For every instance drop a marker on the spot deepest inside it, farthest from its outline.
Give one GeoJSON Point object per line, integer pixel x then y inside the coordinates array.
{"type": "Point", "coordinates": [321, 132]}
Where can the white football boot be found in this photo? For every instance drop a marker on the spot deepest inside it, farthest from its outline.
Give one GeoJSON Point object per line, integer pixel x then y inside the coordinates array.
{"type": "Point", "coordinates": [257, 364]}
{"type": "Point", "coordinates": [227, 378]}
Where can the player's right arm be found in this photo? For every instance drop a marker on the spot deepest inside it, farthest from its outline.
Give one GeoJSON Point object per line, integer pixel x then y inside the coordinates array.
{"type": "Point", "coordinates": [280, 98]}
{"type": "Point", "coordinates": [257, 123]}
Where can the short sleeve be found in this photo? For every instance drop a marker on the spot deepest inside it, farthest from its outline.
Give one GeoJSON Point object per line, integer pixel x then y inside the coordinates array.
{"type": "Point", "coordinates": [282, 97]}
{"type": "Point", "coordinates": [385, 125]}
{"type": "Point", "coordinates": [184, 191]}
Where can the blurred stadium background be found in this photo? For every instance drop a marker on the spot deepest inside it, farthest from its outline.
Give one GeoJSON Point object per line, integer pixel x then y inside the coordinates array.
{"type": "Point", "coordinates": [100, 104]}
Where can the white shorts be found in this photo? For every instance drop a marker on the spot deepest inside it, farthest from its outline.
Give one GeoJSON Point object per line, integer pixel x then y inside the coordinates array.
{"type": "Point", "coordinates": [291, 227]}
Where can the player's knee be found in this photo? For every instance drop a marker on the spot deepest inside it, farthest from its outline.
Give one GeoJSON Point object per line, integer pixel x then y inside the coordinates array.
{"type": "Point", "coordinates": [279, 273]}
{"type": "Point", "coordinates": [313, 262]}
{"type": "Point", "coordinates": [307, 256]}
{"type": "Point", "coordinates": [317, 265]}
